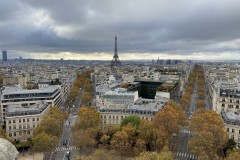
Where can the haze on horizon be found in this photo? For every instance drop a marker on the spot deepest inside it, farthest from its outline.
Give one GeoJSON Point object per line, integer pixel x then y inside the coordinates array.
{"type": "Point", "coordinates": [79, 29]}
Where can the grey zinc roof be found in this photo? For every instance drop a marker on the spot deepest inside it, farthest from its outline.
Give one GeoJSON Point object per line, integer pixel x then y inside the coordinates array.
{"type": "Point", "coordinates": [17, 90]}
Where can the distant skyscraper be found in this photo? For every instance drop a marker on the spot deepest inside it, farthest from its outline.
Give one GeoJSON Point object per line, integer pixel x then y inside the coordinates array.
{"type": "Point", "coordinates": [4, 55]}
{"type": "Point", "coordinates": [115, 60]}
{"type": "Point", "coordinates": [169, 61]}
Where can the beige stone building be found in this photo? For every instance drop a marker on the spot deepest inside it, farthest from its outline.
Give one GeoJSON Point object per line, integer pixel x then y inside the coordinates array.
{"type": "Point", "coordinates": [21, 121]}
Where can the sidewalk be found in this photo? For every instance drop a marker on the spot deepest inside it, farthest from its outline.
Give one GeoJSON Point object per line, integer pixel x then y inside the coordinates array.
{"type": "Point", "coordinates": [27, 156]}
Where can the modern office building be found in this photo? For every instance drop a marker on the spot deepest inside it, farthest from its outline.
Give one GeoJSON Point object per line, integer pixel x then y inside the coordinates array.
{"type": "Point", "coordinates": [16, 95]}
{"type": "Point", "coordinates": [4, 56]}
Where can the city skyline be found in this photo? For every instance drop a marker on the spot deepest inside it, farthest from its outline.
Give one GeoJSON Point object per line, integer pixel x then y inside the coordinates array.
{"type": "Point", "coordinates": [199, 30]}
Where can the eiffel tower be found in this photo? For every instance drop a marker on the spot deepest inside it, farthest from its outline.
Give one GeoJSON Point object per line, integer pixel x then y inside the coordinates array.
{"type": "Point", "coordinates": [115, 60]}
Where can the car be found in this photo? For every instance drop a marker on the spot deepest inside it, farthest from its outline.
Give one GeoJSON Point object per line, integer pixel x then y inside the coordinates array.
{"type": "Point", "coordinates": [68, 153]}
{"type": "Point", "coordinates": [65, 142]}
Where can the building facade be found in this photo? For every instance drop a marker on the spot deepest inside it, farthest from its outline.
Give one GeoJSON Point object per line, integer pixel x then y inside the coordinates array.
{"type": "Point", "coordinates": [21, 121]}
{"type": "Point", "coordinates": [15, 95]}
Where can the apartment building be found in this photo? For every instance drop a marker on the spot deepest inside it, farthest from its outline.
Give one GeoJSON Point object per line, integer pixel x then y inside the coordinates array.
{"type": "Point", "coordinates": [228, 99]}
{"type": "Point", "coordinates": [22, 120]}
{"type": "Point", "coordinates": [143, 108]}
{"type": "Point", "coordinates": [232, 125]}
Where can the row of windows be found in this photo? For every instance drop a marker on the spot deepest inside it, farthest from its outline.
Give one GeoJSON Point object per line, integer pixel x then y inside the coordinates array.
{"type": "Point", "coordinates": [233, 130]}
{"type": "Point", "coordinates": [231, 101]}
{"type": "Point", "coordinates": [22, 126]}
{"type": "Point", "coordinates": [122, 117]}
{"type": "Point", "coordinates": [23, 120]}
{"type": "Point", "coordinates": [230, 106]}
{"type": "Point", "coordinates": [21, 133]}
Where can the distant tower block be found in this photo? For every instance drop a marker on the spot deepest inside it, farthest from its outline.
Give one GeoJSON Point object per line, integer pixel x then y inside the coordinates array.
{"type": "Point", "coordinates": [4, 56]}
{"type": "Point", "coordinates": [115, 60]}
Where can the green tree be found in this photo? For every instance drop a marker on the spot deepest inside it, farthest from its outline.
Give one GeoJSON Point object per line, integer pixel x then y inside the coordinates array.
{"type": "Point", "coordinates": [134, 120]}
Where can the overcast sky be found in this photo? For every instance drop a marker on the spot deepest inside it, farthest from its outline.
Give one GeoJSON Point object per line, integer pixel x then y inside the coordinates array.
{"type": "Point", "coordinates": [146, 29]}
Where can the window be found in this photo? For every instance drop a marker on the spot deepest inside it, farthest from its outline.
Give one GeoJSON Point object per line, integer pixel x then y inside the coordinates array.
{"type": "Point", "coordinates": [33, 119]}
{"type": "Point", "coordinates": [223, 105]}
{"type": "Point", "coordinates": [9, 122]}
{"type": "Point", "coordinates": [233, 130]}
{"type": "Point", "coordinates": [23, 120]}
{"type": "Point", "coordinates": [27, 120]}
{"type": "Point", "coordinates": [230, 100]}
{"type": "Point", "coordinates": [237, 106]}
{"type": "Point", "coordinates": [228, 130]}
{"type": "Point", "coordinates": [37, 119]}
{"type": "Point", "coordinates": [232, 137]}
{"type": "Point", "coordinates": [19, 120]}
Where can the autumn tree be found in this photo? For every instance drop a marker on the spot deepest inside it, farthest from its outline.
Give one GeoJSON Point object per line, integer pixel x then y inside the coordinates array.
{"type": "Point", "coordinates": [44, 143]}
{"type": "Point", "coordinates": [52, 122]}
{"type": "Point", "coordinates": [166, 119]}
{"type": "Point", "coordinates": [86, 127]}
{"type": "Point", "coordinates": [88, 87]}
{"type": "Point", "coordinates": [233, 155]}
{"type": "Point", "coordinates": [182, 118]}
{"type": "Point", "coordinates": [98, 154]}
{"type": "Point", "coordinates": [124, 85]}
{"type": "Point", "coordinates": [120, 142]}
{"type": "Point", "coordinates": [88, 118]}
{"type": "Point", "coordinates": [46, 135]}
{"type": "Point", "coordinates": [164, 155]}
{"type": "Point", "coordinates": [84, 139]}
{"type": "Point", "coordinates": [86, 97]}
{"type": "Point", "coordinates": [200, 104]}
{"type": "Point", "coordinates": [209, 134]}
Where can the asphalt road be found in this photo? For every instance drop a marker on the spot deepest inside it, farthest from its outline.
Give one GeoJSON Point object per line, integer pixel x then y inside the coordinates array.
{"type": "Point", "coordinates": [182, 152]}
{"type": "Point", "coordinates": [61, 150]}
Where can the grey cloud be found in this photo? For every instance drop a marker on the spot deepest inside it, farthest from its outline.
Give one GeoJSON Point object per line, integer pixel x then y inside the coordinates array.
{"type": "Point", "coordinates": [154, 26]}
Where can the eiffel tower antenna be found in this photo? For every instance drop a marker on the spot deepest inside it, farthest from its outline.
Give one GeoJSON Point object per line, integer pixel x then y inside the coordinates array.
{"type": "Point", "coordinates": [115, 60]}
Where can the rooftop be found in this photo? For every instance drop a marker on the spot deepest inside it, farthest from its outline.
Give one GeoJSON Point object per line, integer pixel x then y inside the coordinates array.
{"type": "Point", "coordinates": [18, 90]}
{"type": "Point", "coordinates": [17, 110]}
{"type": "Point", "coordinates": [119, 91]}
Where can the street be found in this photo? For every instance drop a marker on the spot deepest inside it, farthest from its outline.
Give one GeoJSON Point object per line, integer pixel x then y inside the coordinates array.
{"type": "Point", "coordinates": [183, 152]}
{"type": "Point", "coordinates": [61, 150]}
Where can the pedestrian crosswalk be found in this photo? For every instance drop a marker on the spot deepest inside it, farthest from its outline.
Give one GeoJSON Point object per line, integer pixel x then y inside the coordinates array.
{"type": "Point", "coordinates": [185, 131]}
{"type": "Point", "coordinates": [186, 155]}
{"type": "Point", "coordinates": [66, 148]}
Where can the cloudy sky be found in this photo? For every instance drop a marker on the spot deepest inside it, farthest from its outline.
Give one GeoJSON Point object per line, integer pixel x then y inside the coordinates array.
{"type": "Point", "coordinates": [146, 29]}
